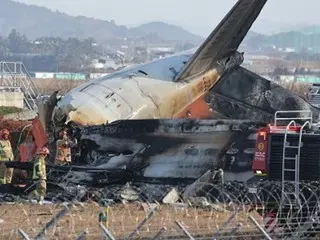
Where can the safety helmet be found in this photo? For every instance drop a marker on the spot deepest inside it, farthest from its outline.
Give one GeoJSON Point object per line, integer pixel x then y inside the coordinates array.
{"type": "Point", "coordinates": [43, 150]}
{"type": "Point", "coordinates": [5, 131]}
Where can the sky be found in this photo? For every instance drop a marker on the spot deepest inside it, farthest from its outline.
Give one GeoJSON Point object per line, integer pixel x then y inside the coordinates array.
{"type": "Point", "coordinates": [197, 16]}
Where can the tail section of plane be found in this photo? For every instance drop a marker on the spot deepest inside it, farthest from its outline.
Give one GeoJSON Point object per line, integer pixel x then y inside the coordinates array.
{"type": "Point", "coordinates": [222, 44]}
{"type": "Point", "coordinates": [241, 94]}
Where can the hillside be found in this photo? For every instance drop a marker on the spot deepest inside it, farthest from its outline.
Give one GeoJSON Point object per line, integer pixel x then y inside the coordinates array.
{"type": "Point", "coordinates": [164, 30]}
{"type": "Point", "coordinates": [292, 39]}
{"type": "Point", "coordinates": [270, 27]}
{"type": "Point", "coordinates": [34, 22]}
{"type": "Point", "coordinates": [311, 29]}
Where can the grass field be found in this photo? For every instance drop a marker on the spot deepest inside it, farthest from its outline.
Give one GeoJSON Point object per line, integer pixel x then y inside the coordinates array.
{"type": "Point", "coordinates": [122, 220]}
{"type": "Point", "coordinates": [48, 86]}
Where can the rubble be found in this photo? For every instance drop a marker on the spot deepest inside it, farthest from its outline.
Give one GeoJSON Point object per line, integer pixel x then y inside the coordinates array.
{"type": "Point", "coordinates": [171, 197]}
{"type": "Point", "coordinates": [202, 184]}
{"type": "Point", "coordinates": [129, 194]}
{"type": "Point", "coordinates": [155, 155]}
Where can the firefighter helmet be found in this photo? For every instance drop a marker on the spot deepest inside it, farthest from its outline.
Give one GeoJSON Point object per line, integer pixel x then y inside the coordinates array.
{"type": "Point", "coordinates": [43, 150]}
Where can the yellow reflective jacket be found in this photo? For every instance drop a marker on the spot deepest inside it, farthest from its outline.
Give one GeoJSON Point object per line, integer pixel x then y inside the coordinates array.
{"type": "Point", "coordinates": [6, 153]}
{"type": "Point", "coordinates": [39, 168]}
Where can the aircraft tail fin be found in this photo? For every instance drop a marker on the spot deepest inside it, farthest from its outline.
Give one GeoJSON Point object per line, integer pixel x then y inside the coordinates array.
{"type": "Point", "coordinates": [224, 41]}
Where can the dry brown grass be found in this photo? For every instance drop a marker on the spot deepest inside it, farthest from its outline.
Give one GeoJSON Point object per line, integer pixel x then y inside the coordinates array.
{"type": "Point", "coordinates": [123, 220]}
{"type": "Point", "coordinates": [48, 86]}
{"type": "Point", "coordinates": [298, 88]}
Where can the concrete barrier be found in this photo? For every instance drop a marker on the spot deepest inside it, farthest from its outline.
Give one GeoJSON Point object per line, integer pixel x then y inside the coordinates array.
{"type": "Point", "coordinates": [11, 99]}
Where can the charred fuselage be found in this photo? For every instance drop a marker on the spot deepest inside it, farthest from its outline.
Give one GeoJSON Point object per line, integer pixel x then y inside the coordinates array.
{"type": "Point", "coordinates": [164, 150]}
{"type": "Point", "coordinates": [242, 94]}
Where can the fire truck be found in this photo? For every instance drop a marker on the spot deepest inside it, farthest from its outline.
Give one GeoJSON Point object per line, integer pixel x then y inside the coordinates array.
{"type": "Point", "coordinates": [287, 154]}
{"type": "Point", "coordinates": [289, 149]}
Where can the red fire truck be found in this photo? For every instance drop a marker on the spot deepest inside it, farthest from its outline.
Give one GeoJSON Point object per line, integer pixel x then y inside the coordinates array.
{"type": "Point", "coordinates": [288, 149]}
{"type": "Point", "coordinates": [287, 152]}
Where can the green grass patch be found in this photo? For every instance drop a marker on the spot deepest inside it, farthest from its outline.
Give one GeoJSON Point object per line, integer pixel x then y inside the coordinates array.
{"type": "Point", "coordinates": [8, 110]}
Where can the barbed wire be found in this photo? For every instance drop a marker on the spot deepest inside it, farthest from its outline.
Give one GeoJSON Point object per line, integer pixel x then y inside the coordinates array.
{"type": "Point", "coordinates": [215, 209]}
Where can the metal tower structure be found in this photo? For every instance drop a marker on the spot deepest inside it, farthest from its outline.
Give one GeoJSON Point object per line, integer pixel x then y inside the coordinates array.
{"type": "Point", "coordinates": [15, 74]}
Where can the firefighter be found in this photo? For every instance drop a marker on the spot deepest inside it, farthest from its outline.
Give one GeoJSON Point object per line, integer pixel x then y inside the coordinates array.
{"type": "Point", "coordinates": [40, 174]}
{"type": "Point", "coordinates": [63, 152]}
{"type": "Point", "coordinates": [6, 154]}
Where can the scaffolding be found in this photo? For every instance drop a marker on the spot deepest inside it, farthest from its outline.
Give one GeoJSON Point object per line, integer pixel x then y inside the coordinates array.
{"type": "Point", "coordinates": [15, 75]}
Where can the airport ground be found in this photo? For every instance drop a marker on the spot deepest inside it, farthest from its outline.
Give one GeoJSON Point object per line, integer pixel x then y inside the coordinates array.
{"type": "Point", "coordinates": [122, 221]}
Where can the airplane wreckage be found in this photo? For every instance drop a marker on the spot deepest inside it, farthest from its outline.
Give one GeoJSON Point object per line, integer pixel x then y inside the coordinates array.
{"type": "Point", "coordinates": [169, 121]}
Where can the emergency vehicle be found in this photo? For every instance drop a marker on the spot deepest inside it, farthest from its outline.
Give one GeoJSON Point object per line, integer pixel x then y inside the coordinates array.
{"type": "Point", "coordinates": [288, 152]}
{"type": "Point", "coordinates": [289, 149]}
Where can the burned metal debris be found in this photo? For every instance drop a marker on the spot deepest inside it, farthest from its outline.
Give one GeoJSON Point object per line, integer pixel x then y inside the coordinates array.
{"type": "Point", "coordinates": [160, 151]}
{"type": "Point", "coordinates": [241, 94]}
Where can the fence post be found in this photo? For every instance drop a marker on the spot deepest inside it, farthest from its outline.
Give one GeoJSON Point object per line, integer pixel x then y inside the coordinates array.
{"type": "Point", "coordinates": [23, 234]}
{"type": "Point", "coordinates": [144, 221]}
{"type": "Point", "coordinates": [235, 229]}
{"type": "Point", "coordinates": [161, 231]}
{"type": "Point", "coordinates": [259, 227]}
{"type": "Point", "coordinates": [185, 231]}
{"type": "Point", "coordinates": [106, 232]}
{"type": "Point", "coordinates": [104, 216]}
{"type": "Point", "coordinates": [226, 223]}
{"type": "Point", "coordinates": [53, 222]}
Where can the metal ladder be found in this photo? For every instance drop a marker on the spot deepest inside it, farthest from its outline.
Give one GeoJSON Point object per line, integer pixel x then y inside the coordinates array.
{"type": "Point", "coordinates": [291, 195]}
{"type": "Point", "coordinates": [15, 74]}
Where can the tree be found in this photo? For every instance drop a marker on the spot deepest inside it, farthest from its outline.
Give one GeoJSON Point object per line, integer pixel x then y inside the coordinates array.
{"type": "Point", "coordinates": [3, 47]}
{"type": "Point", "coordinates": [56, 53]}
{"type": "Point", "coordinates": [17, 43]}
